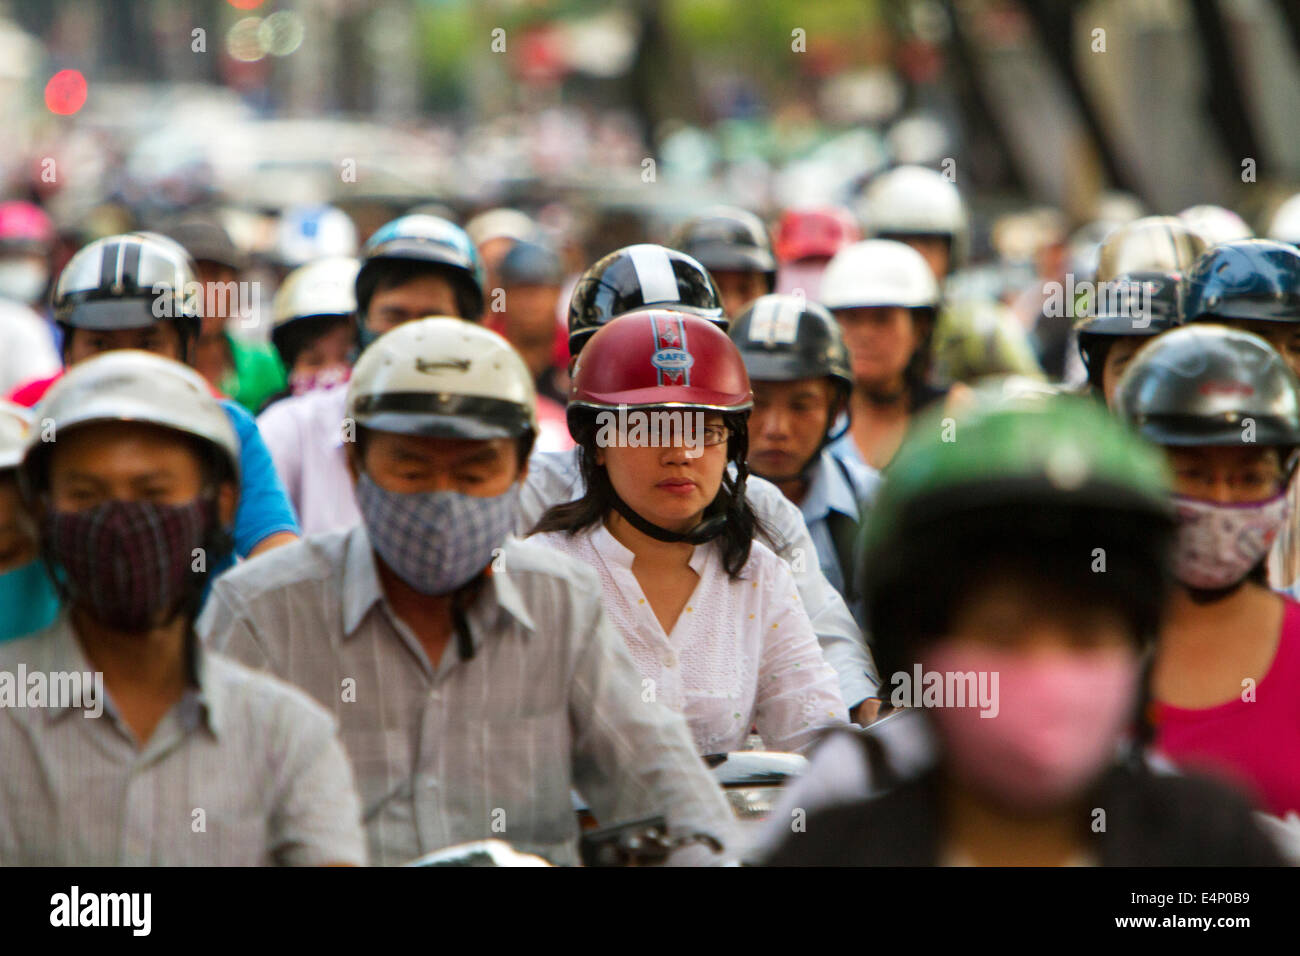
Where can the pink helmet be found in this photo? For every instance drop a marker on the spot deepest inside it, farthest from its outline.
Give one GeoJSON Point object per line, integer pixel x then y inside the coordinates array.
{"type": "Point", "coordinates": [25, 227]}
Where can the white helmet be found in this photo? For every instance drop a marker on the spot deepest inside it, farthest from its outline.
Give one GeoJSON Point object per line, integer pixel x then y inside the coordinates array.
{"type": "Point", "coordinates": [502, 224]}
{"type": "Point", "coordinates": [314, 232]}
{"type": "Point", "coordinates": [323, 287]}
{"type": "Point", "coordinates": [15, 422]}
{"type": "Point", "coordinates": [1285, 224]}
{"type": "Point", "coordinates": [128, 385]}
{"type": "Point", "coordinates": [444, 378]}
{"type": "Point", "coordinates": [915, 201]}
{"type": "Point", "coordinates": [1216, 224]}
{"type": "Point", "coordinates": [878, 272]}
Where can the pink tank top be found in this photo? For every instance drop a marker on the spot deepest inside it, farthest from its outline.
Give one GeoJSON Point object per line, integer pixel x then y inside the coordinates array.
{"type": "Point", "coordinates": [1256, 744]}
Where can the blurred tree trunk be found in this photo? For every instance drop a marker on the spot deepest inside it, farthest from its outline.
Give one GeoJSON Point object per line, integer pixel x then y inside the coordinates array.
{"type": "Point", "coordinates": [1053, 21]}
{"type": "Point", "coordinates": [659, 84]}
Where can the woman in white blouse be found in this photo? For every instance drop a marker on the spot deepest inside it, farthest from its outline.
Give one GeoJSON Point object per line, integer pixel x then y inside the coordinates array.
{"type": "Point", "coordinates": [711, 615]}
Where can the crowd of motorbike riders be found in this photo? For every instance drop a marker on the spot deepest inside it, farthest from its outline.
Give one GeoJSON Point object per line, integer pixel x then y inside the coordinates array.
{"type": "Point", "coordinates": [432, 567]}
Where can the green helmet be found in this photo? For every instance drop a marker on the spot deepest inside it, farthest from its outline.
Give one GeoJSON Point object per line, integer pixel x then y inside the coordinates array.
{"type": "Point", "coordinates": [1044, 476]}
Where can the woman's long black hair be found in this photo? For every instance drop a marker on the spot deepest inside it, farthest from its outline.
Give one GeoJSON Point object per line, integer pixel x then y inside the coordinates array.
{"type": "Point", "coordinates": [597, 501]}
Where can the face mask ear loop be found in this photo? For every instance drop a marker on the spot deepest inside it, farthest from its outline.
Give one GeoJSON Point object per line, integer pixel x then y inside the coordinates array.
{"type": "Point", "coordinates": [1289, 469]}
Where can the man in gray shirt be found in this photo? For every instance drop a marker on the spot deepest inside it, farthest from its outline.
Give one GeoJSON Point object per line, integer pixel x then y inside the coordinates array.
{"type": "Point", "coordinates": [122, 741]}
{"type": "Point", "coordinates": [475, 677]}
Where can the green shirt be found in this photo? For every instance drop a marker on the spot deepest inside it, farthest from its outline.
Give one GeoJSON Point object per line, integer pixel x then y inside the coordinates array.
{"type": "Point", "coordinates": [258, 373]}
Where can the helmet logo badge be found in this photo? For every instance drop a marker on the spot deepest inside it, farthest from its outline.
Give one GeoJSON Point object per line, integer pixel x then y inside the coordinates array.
{"type": "Point", "coordinates": [1227, 388]}
{"type": "Point", "coordinates": [671, 359]}
{"type": "Point", "coordinates": [460, 365]}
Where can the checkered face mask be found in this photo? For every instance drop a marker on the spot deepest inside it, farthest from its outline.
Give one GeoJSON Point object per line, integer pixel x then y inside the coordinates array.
{"type": "Point", "coordinates": [435, 541]}
{"type": "Point", "coordinates": [129, 564]}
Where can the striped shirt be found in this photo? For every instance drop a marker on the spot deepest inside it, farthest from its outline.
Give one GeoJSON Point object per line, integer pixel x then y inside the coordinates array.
{"type": "Point", "coordinates": [243, 771]}
{"type": "Point", "coordinates": [451, 751]}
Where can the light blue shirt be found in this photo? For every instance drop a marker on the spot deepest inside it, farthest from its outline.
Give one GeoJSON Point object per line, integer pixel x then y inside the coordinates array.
{"type": "Point", "coordinates": [846, 449]}
{"type": "Point", "coordinates": [848, 487]}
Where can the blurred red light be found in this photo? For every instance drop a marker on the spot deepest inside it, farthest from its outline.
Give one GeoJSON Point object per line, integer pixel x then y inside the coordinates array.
{"type": "Point", "coordinates": [65, 93]}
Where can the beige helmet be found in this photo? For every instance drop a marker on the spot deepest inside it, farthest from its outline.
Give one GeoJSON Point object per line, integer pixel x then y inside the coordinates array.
{"type": "Point", "coordinates": [326, 287]}
{"type": "Point", "coordinates": [1216, 224]}
{"type": "Point", "coordinates": [128, 385]}
{"type": "Point", "coordinates": [1284, 226]}
{"type": "Point", "coordinates": [323, 287]}
{"type": "Point", "coordinates": [15, 423]}
{"type": "Point", "coordinates": [444, 378]}
{"type": "Point", "coordinates": [1152, 244]}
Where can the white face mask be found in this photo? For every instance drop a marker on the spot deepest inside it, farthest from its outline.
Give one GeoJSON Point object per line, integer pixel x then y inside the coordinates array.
{"type": "Point", "coordinates": [1217, 544]}
{"type": "Point", "coordinates": [23, 281]}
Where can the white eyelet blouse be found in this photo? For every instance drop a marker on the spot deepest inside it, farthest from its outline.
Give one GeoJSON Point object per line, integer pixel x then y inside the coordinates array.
{"type": "Point", "coordinates": [741, 653]}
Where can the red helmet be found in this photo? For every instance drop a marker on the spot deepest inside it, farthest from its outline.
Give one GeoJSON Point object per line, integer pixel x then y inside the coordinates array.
{"type": "Point", "coordinates": [814, 233]}
{"type": "Point", "coordinates": [25, 226]}
{"type": "Point", "coordinates": [657, 357]}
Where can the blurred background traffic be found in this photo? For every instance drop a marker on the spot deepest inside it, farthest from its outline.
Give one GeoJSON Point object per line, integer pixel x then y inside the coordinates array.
{"type": "Point", "coordinates": [608, 123]}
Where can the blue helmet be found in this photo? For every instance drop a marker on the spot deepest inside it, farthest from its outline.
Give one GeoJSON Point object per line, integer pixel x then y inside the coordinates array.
{"type": "Point", "coordinates": [439, 243]}
{"type": "Point", "coordinates": [1252, 279]}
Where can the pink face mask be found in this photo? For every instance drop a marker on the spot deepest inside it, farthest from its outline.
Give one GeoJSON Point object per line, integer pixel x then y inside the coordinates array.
{"type": "Point", "coordinates": [1056, 724]}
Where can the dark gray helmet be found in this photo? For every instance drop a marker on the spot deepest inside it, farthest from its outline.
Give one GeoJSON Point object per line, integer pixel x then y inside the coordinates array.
{"type": "Point", "coordinates": [784, 338]}
{"type": "Point", "coordinates": [1205, 384]}
{"type": "Point", "coordinates": [725, 237]}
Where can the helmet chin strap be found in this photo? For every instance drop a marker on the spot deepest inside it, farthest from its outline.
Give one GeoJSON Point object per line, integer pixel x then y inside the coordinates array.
{"type": "Point", "coordinates": [881, 398]}
{"type": "Point", "coordinates": [705, 531]}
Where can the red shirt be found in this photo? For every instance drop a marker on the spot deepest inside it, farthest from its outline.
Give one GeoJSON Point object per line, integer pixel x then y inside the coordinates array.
{"type": "Point", "coordinates": [1256, 743]}
{"type": "Point", "coordinates": [32, 392]}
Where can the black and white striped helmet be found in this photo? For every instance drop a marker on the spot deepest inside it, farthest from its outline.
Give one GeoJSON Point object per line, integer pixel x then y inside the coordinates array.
{"type": "Point", "coordinates": [635, 277]}
{"type": "Point", "coordinates": [128, 282]}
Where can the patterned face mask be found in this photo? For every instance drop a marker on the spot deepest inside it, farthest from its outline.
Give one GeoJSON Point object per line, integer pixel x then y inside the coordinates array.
{"type": "Point", "coordinates": [1218, 544]}
{"type": "Point", "coordinates": [129, 564]}
{"type": "Point", "coordinates": [331, 377]}
{"type": "Point", "coordinates": [437, 541]}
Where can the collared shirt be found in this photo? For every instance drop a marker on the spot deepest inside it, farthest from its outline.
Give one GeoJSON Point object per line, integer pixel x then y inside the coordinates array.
{"type": "Point", "coordinates": [554, 478]}
{"type": "Point", "coordinates": [846, 449]}
{"type": "Point", "coordinates": [741, 653]}
{"type": "Point", "coordinates": [243, 771]}
{"type": "Point", "coordinates": [455, 750]}
{"type": "Point", "coordinates": [835, 484]}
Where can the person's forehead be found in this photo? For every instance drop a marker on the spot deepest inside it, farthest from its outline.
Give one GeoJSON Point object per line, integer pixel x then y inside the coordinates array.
{"type": "Point", "coordinates": [1269, 330]}
{"type": "Point", "coordinates": [799, 388]}
{"type": "Point", "coordinates": [424, 447]}
{"type": "Point", "coordinates": [76, 446]}
{"type": "Point", "coordinates": [424, 285]}
{"type": "Point", "coordinates": [1235, 453]}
